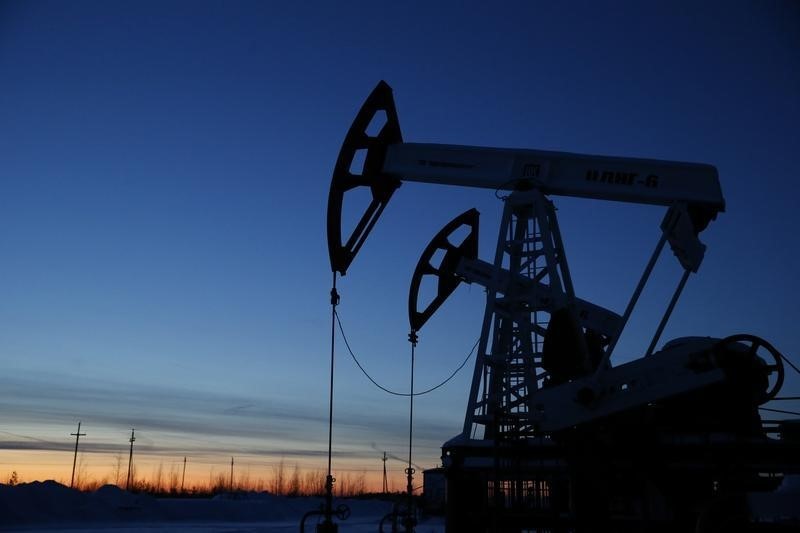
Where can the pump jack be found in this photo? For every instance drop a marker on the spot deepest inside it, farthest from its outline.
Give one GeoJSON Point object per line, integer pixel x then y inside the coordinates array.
{"type": "Point", "coordinates": [555, 437]}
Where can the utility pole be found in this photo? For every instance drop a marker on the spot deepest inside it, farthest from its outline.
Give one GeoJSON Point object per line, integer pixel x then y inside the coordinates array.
{"type": "Point", "coordinates": [130, 461]}
{"type": "Point", "coordinates": [183, 478]}
{"type": "Point", "coordinates": [77, 436]}
{"type": "Point", "coordinates": [231, 474]}
{"type": "Point", "coordinates": [385, 481]}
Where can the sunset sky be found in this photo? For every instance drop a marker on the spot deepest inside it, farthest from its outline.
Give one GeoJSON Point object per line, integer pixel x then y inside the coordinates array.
{"type": "Point", "coordinates": [164, 171]}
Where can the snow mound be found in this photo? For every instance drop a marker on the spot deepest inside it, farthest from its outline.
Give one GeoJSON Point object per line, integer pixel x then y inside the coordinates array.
{"type": "Point", "coordinates": [48, 502]}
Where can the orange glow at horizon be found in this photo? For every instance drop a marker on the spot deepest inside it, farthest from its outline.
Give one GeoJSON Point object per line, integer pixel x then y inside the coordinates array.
{"type": "Point", "coordinates": [250, 472]}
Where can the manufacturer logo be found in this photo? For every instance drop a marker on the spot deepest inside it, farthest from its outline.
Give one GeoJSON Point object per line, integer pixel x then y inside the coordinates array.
{"type": "Point", "coordinates": [621, 178]}
{"type": "Point", "coordinates": [531, 170]}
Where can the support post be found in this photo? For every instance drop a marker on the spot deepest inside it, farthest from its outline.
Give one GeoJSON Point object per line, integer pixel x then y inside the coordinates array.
{"type": "Point", "coordinates": [508, 367]}
{"type": "Point", "coordinates": [77, 436]}
{"type": "Point", "coordinates": [385, 480]}
{"type": "Point", "coordinates": [130, 461]}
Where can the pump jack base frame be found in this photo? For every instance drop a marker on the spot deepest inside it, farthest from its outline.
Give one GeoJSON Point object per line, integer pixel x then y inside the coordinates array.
{"type": "Point", "coordinates": [577, 483]}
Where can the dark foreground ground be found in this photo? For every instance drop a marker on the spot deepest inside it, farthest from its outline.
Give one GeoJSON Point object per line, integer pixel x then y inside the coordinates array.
{"type": "Point", "coordinates": [50, 506]}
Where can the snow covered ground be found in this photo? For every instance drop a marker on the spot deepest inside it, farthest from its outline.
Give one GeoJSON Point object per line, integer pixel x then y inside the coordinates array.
{"type": "Point", "coordinates": [51, 507]}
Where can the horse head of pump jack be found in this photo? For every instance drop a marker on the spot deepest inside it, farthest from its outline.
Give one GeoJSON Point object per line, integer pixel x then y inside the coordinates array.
{"type": "Point", "coordinates": [346, 178]}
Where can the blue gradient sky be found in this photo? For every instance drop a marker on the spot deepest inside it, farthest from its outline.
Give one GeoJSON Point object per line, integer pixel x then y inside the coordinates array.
{"type": "Point", "coordinates": [164, 169]}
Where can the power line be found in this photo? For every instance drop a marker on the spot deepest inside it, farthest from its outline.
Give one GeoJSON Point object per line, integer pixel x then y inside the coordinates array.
{"type": "Point", "coordinates": [395, 393]}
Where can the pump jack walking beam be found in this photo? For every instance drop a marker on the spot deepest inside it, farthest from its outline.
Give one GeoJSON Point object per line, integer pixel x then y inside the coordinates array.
{"type": "Point", "coordinates": [382, 161]}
